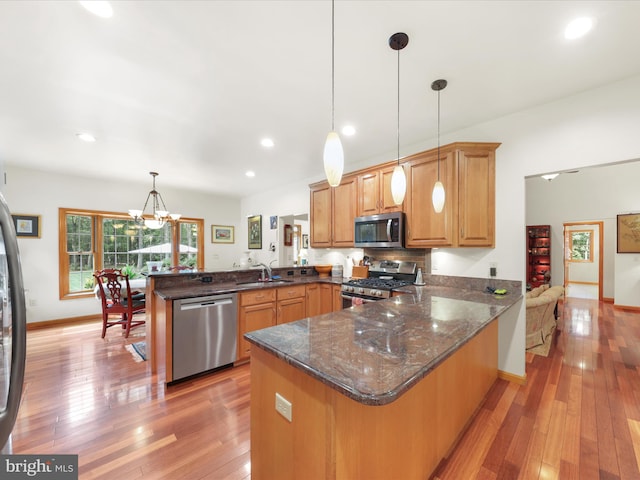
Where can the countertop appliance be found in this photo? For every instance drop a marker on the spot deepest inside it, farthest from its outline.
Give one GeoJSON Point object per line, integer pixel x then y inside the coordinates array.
{"type": "Point", "coordinates": [384, 277]}
{"type": "Point", "coordinates": [13, 323]}
{"type": "Point", "coordinates": [380, 231]}
{"type": "Point", "coordinates": [204, 334]}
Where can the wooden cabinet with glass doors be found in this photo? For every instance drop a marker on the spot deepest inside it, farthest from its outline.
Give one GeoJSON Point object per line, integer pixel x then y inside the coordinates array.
{"type": "Point", "coordinates": [538, 255]}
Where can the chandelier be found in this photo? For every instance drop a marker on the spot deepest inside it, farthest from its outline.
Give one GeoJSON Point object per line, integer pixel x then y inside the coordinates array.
{"type": "Point", "coordinates": [160, 215]}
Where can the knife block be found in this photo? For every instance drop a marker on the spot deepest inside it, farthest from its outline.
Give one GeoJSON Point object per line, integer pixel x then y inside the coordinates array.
{"type": "Point", "coordinates": [360, 272]}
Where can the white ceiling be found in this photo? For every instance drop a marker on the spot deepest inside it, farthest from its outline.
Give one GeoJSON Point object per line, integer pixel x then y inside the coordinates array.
{"type": "Point", "coordinates": [189, 88]}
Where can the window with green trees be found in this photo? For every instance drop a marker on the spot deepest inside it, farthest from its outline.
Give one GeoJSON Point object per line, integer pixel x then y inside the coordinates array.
{"type": "Point", "coordinates": [97, 240]}
{"type": "Point", "coordinates": [581, 246]}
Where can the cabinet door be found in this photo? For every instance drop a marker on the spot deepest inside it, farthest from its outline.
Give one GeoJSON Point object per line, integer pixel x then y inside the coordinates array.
{"type": "Point", "coordinates": [321, 217]}
{"type": "Point", "coordinates": [291, 310]}
{"type": "Point", "coordinates": [250, 318]}
{"type": "Point", "coordinates": [476, 197]}
{"type": "Point", "coordinates": [313, 300]}
{"type": "Point", "coordinates": [369, 194]}
{"type": "Point", "coordinates": [344, 212]}
{"type": "Point", "coordinates": [337, 298]}
{"type": "Point", "coordinates": [386, 199]}
{"type": "Point", "coordinates": [326, 298]}
{"type": "Point", "coordinates": [425, 227]}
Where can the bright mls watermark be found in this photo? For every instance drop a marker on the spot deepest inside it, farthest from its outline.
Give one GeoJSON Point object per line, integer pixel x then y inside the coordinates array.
{"type": "Point", "coordinates": [51, 467]}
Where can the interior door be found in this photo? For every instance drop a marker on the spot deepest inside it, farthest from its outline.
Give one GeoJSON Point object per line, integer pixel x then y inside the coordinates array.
{"type": "Point", "coordinates": [583, 260]}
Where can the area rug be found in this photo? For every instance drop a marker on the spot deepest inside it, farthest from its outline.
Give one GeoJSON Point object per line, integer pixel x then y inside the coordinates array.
{"type": "Point", "coordinates": [138, 351]}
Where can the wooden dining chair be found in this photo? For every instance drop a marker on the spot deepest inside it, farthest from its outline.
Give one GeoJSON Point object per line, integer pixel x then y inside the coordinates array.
{"type": "Point", "coordinates": [118, 299]}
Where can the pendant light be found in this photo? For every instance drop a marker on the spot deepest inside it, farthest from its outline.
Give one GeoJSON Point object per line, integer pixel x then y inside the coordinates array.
{"type": "Point", "coordinates": [333, 154]}
{"type": "Point", "coordinates": [397, 42]}
{"type": "Point", "coordinates": [438, 196]}
{"type": "Point", "coordinates": [160, 216]}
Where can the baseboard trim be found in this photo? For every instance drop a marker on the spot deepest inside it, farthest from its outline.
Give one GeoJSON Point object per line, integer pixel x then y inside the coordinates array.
{"type": "Point", "coordinates": [510, 377]}
{"type": "Point", "coordinates": [607, 300]}
{"type": "Point", "coordinates": [64, 321]}
{"type": "Point", "coordinates": [627, 307]}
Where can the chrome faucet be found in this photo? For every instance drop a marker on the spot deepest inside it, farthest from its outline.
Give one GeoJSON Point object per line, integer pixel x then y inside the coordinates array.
{"type": "Point", "coordinates": [262, 275]}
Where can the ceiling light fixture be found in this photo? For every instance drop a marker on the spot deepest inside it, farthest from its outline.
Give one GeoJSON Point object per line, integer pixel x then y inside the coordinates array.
{"type": "Point", "coordinates": [160, 217]}
{"type": "Point", "coordinates": [86, 137]}
{"type": "Point", "coordinates": [333, 153]}
{"type": "Point", "coordinates": [99, 8]}
{"type": "Point", "coordinates": [438, 195]}
{"type": "Point", "coordinates": [397, 42]}
{"type": "Point", "coordinates": [550, 176]}
{"type": "Point", "coordinates": [578, 28]}
{"type": "Point", "coordinates": [267, 142]}
{"type": "Point", "coordinates": [348, 130]}
{"type": "Point", "coordinates": [250, 173]}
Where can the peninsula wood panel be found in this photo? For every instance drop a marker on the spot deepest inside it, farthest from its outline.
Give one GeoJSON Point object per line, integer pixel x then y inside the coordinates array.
{"type": "Point", "coordinates": [332, 436]}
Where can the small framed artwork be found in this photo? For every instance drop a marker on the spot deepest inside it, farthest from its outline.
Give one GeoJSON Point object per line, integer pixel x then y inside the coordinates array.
{"type": "Point", "coordinates": [288, 235]}
{"type": "Point", "coordinates": [628, 233]}
{"type": "Point", "coordinates": [222, 234]}
{"type": "Point", "coordinates": [27, 225]}
{"type": "Point", "coordinates": [255, 232]}
{"type": "Point", "coordinates": [305, 240]}
{"type": "Point", "coordinates": [273, 222]}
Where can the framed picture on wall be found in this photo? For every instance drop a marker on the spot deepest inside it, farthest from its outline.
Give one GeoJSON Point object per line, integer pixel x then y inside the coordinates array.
{"type": "Point", "coordinates": [27, 225]}
{"type": "Point", "coordinates": [628, 233]}
{"type": "Point", "coordinates": [255, 232]}
{"type": "Point", "coordinates": [222, 234]}
{"type": "Point", "coordinates": [305, 240]}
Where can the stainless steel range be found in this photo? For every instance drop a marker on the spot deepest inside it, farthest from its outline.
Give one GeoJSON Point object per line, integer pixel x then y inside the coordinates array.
{"type": "Point", "coordinates": [384, 277]}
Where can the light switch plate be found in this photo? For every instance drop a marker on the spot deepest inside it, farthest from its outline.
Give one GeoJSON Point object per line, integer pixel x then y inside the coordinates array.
{"type": "Point", "coordinates": [283, 406]}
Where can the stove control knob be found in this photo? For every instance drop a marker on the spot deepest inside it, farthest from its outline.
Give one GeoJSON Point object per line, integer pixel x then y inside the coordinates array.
{"type": "Point", "coordinates": [378, 293]}
{"type": "Point", "coordinates": [361, 290]}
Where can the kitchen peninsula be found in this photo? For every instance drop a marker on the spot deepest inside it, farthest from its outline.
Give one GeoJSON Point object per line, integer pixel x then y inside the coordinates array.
{"type": "Point", "coordinates": [377, 391]}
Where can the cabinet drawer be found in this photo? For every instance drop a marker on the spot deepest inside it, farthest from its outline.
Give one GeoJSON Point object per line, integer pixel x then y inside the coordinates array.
{"type": "Point", "coordinates": [255, 297]}
{"type": "Point", "coordinates": [291, 292]}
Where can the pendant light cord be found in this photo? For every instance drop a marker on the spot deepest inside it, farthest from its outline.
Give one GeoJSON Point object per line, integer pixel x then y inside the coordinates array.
{"type": "Point", "coordinates": [398, 130]}
{"type": "Point", "coordinates": [333, 94]}
{"type": "Point", "coordinates": [438, 135]}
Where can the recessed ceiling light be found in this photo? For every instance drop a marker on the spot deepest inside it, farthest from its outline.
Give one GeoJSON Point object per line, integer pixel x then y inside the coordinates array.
{"type": "Point", "coordinates": [348, 130]}
{"type": "Point", "coordinates": [578, 28]}
{"type": "Point", "coordinates": [267, 142]}
{"type": "Point", "coordinates": [86, 137]}
{"type": "Point", "coordinates": [100, 8]}
{"type": "Point", "coordinates": [250, 174]}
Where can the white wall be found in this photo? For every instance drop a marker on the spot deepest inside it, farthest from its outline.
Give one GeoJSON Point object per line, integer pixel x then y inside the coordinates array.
{"type": "Point", "coordinates": [43, 193]}
{"type": "Point", "coordinates": [592, 194]}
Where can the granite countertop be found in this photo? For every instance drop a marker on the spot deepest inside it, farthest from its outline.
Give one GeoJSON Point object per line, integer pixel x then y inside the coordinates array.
{"type": "Point", "coordinates": [375, 352]}
{"type": "Point", "coordinates": [199, 289]}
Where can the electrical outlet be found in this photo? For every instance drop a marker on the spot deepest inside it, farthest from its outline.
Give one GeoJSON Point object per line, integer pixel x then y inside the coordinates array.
{"type": "Point", "coordinates": [283, 406]}
{"type": "Point", "coordinates": [493, 269]}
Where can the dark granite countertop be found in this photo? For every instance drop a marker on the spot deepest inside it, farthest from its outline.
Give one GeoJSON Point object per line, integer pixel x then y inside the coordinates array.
{"type": "Point", "coordinates": [375, 352]}
{"type": "Point", "coordinates": [199, 289]}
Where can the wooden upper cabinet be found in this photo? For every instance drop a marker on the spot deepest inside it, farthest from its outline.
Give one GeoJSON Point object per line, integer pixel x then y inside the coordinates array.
{"type": "Point", "coordinates": [333, 211]}
{"type": "Point", "coordinates": [374, 192]}
{"type": "Point", "coordinates": [467, 171]}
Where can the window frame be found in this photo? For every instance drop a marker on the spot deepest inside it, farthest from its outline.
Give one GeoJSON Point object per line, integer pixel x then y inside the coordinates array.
{"type": "Point", "coordinates": [571, 249]}
{"type": "Point", "coordinates": [97, 217]}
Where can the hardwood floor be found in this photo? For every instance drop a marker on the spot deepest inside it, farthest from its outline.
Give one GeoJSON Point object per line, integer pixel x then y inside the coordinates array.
{"type": "Point", "coordinates": [578, 416]}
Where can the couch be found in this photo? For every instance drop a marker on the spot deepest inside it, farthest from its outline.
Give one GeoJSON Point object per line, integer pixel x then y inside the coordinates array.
{"type": "Point", "coordinates": [541, 303]}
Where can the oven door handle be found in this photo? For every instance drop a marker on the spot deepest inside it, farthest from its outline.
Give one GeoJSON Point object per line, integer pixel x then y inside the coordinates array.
{"type": "Point", "coordinates": [364, 300]}
{"type": "Point", "coordinates": [389, 230]}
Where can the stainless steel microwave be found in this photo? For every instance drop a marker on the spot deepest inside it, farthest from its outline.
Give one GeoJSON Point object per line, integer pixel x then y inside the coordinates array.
{"type": "Point", "coordinates": [380, 231]}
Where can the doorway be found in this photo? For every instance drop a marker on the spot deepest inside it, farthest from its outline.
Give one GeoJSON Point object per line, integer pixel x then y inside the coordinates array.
{"type": "Point", "coordinates": [583, 244]}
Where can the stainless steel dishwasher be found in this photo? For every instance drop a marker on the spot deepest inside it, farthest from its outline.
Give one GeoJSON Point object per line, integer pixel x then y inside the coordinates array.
{"type": "Point", "coordinates": [204, 334]}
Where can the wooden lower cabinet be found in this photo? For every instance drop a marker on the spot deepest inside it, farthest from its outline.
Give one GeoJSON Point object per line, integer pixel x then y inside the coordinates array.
{"type": "Point", "coordinates": [291, 304]}
{"type": "Point", "coordinates": [323, 298]}
{"type": "Point", "coordinates": [256, 310]}
{"type": "Point", "coordinates": [337, 298]}
{"type": "Point", "coordinates": [334, 437]}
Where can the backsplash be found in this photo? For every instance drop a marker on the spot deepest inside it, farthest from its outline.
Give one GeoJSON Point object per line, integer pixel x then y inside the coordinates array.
{"type": "Point", "coordinates": [421, 256]}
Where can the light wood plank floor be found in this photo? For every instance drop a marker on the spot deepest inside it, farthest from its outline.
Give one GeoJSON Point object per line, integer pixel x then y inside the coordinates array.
{"type": "Point", "coordinates": [578, 416]}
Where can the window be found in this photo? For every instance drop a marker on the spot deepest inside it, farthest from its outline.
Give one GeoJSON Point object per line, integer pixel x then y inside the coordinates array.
{"type": "Point", "coordinates": [94, 240]}
{"type": "Point", "coordinates": [581, 246]}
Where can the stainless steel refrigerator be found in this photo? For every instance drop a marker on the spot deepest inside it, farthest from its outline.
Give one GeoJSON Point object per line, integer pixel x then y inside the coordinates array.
{"type": "Point", "coordinates": [13, 331]}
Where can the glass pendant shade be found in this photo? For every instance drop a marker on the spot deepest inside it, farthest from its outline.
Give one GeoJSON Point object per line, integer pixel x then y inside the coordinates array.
{"type": "Point", "coordinates": [437, 197]}
{"type": "Point", "coordinates": [398, 185]}
{"type": "Point", "coordinates": [333, 159]}
{"type": "Point", "coordinates": [153, 224]}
